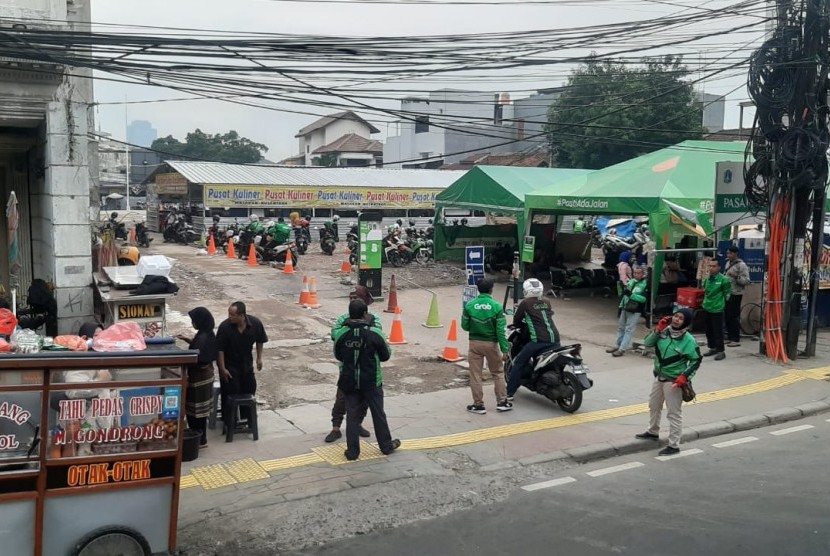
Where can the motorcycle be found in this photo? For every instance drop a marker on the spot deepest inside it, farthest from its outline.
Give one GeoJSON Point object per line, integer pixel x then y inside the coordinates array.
{"type": "Point", "coordinates": [141, 237]}
{"type": "Point", "coordinates": [243, 241]}
{"type": "Point", "coordinates": [300, 239]}
{"type": "Point", "coordinates": [327, 244]}
{"type": "Point", "coordinates": [119, 228]}
{"type": "Point", "coordinates": [270, 251]}
{"type": "Point", "coordinates": [352, 244]}
{"type": "Point", "coordinates": [613, 245]}
{"type": "Point", "coordinates": [557, 373]}
{"type": "Point", "coordinates": [185, 233]}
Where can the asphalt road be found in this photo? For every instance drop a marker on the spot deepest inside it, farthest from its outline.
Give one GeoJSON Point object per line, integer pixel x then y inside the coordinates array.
{"type": "Point", "coordinates": [755, 492]}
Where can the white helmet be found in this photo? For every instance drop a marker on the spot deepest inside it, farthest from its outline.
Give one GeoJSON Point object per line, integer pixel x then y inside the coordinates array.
{"type": "Point", "coordinates": [270, 224]}
{"type": "Point", "coordinates": [335, 217]}
{"type": "Point", "coordinates": [254, 217]}
{"type": "Point", "coordinates": [533, 288]}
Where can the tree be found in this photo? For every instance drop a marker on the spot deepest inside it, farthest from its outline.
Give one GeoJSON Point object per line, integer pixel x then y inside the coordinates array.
{"type": "Point", "coordinates": [229, 147]}
{"type": "Point", "coordinates": [611, 112]}
{"type": "Point", "coordinates": [328, 160]}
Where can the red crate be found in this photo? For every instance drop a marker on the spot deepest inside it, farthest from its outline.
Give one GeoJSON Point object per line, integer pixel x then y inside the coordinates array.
{"type": "Point", "coordinates": [690, 297]}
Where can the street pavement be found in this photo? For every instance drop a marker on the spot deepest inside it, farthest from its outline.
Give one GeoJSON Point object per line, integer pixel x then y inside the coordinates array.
{"type": "Point", "coordinates": [761, 492]}
{"type": "Point", "coordinates": [290, 489]}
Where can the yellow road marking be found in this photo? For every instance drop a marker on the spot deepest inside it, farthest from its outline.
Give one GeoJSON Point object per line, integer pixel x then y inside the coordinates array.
{"type": "Point", "coordinates": [216, 476]}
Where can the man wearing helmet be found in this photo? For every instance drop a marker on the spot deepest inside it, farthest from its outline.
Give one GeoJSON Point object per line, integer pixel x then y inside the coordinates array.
{"type": "Point", "coordinates": [534, 316]}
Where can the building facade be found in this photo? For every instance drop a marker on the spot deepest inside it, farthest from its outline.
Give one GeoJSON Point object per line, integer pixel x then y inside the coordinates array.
{"type": "Point", "coordinates": [327, 130]}
{"type": "Point", "coordinates": [49, 162]}
{"type": "Point", "coordinates": [141, 133]}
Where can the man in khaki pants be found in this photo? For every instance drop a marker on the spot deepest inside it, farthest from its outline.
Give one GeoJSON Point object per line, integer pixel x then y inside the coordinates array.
{"type": "Point", "coordinates": [483, 318]}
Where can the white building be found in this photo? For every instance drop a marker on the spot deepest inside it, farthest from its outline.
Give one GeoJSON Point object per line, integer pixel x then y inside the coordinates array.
{"type": "Point", "coordinates": [329, 129]}
{"type": "Point", "coordinates": [48, 160]}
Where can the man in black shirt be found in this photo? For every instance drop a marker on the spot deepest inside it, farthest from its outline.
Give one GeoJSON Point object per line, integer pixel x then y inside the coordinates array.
{"type": "Point", "coordinates": [235, 339]}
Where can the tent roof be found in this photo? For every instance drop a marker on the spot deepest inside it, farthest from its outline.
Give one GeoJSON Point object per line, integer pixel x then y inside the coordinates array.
{"type": "Point", "coordinates": [501, 187]}
{"type": "Point", "coordinates": [683, 173]}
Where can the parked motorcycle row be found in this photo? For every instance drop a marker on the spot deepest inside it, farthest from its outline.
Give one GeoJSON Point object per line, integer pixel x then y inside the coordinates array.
{"type": "Point", "coordinates": [402, 246]}
{"type": "Point", "coordinates": [613, 245]}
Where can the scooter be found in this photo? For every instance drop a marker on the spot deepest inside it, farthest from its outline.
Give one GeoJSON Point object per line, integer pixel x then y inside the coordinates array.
{"type": "Point", "coordinates": [119, 228]}
{"type": "Point", "coordinates": [141, 237]}
{"type": "Point", "coordinates": [270, 251]}
{"type": "Point", "coordinates": [556, 373]}
{"type": "Point", "coordinates": [300, 239]}
{"type": "Point", "coordinates": [327, 244]}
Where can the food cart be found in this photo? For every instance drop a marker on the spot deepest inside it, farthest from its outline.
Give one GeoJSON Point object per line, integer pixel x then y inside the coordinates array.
{"type": "Point", "coordinates": [90, 452]}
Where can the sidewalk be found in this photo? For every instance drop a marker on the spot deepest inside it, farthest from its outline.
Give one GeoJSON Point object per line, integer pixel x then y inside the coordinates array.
{"type": "Point", "coordinates": [291, 461]}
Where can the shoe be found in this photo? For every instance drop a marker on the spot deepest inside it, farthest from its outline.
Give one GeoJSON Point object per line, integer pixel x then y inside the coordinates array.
{"type": "Point", "coordinates": [476, 409]}
{"type": "Point", "coordinates": [668, 451]}
{"type": "Point", "coordinates": [510, 397]}
{"type": "Point", "coordinates": [734, 344]}
{"type": "Point", "coordinates": [349, 456]}
{"type": "Point", "coordinates": [333, 435]}
{"type": "Point", "coordinates": [364, 433]}
{"type": "Point", "coordinates": [612, 350]}
{"type": "Point", "coordinates": [395, 445]}
{"type": "Point", "coordinates": [504, 406]}
{"type": "Point", "coordinates": [203, 444]}
{"type": "Point", "coordinates": [720, 356]}
{"type": "Point", "coordinates": [710, 352]}
{"type": "Point", "coordinates": [647, 436]}
{"type": "Point", "coordinates": [618, 353]}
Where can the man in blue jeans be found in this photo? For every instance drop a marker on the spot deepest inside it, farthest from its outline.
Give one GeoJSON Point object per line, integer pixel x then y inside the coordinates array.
{"type": "Point", "coordinates": [535, 316]}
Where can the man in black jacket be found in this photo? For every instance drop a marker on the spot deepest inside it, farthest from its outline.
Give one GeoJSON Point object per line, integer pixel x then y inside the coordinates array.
{"type": "Point", "coordinates": [360, 350]}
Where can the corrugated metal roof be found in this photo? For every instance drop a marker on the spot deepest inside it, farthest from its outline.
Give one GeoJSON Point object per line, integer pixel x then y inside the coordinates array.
{"type": "Point", "coordinates": [217, 173]}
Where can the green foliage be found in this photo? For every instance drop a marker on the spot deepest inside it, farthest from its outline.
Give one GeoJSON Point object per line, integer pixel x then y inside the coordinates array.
{"type": "Point", "coordinates": [229, 147]}
{"type": "Point", "coordinates": [618, 112]}
{"type": "Point", "coordinates": [328, 160]}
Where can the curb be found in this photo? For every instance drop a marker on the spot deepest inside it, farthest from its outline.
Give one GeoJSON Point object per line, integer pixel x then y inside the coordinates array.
{"type": "Point", "coordinates": [613, 448]}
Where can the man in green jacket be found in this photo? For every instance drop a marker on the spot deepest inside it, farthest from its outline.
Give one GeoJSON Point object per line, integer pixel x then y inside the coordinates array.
{"type": "Point", "coordinates": [483, 318]}
{"type": "Point", "coordinates": [717, 288]}
{"type": "Point", "coordinates": [676, 360]}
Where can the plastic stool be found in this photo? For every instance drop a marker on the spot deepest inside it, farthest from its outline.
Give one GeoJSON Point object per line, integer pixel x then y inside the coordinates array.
{"type": "Point", "coordinates": [232, 413]}
{"type": "Point", "coordinates": [214, 410]}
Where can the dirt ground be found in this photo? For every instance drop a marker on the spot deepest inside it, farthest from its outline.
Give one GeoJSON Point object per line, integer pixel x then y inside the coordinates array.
{"type": "Point", "coordinates": [299, 366]}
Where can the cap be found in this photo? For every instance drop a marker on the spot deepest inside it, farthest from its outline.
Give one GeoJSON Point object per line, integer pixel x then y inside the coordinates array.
{"type": "Point", "coordinates": [362, 292]}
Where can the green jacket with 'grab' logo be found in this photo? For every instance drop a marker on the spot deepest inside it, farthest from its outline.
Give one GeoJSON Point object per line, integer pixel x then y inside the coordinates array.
{"type": "Point", "coordinates": [483, 318]}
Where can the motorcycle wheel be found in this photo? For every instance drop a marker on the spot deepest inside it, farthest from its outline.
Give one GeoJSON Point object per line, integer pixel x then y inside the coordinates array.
{"type": "Point", "coordinates": [574, 402]}
{"type": "Point", "coordinates": [422, 256]}
{"type": "Point", "coordinates": [395, 259]}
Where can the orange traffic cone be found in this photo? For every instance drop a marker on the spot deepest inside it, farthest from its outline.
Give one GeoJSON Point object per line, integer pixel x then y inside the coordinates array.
{"type": "Point", "coordinates": [451, 351]}
{"type": "Point", "coordinates": [396, 337]}
{"type": "Point", "coordinates": [346, 267]}
{"type": "Point", "coordinates": [313, 302]}
{"type": "Point", "coordinates": [304, 294]}
{"type": "Point", "coordinates": [392, 306]}
{"type": "Point", "coordinates": [252, 256]}
{"type": "Point", "coordinates": [231, 250]}
{"type": "Point", "coordinates": [289, 264]}
{"type": "Point", "coordinates": [211, 245]}
{"type": "Point", "coordinates": [132, 236]}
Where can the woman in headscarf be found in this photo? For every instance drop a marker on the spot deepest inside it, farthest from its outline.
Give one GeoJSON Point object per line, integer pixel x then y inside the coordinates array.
{"type": "Point", "coordinates": [676, 359]}
{"type": "Point", "coordinates": [200, 376]}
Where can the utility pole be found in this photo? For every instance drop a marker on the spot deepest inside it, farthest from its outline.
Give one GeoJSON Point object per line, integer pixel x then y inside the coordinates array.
{"type": "Point", "coordinates": [127, 150]}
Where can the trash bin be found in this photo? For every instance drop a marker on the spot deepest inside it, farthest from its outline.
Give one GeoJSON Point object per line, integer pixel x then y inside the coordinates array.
{"type": "Point", "coordinates": [190, 445]}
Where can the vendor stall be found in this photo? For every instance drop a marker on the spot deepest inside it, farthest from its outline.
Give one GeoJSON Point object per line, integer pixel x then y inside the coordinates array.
{"type": "Point", "coordinates": [116, 286]}
{"type": "Point", "coordinates": [497, 191]}
{"type": "Point", "coordinates": [90, 452]}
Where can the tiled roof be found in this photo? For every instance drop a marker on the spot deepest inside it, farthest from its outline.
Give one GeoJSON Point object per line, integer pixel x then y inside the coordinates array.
{"type": "Point", "coordinates": [351, 143]}
{"type": "Point", "coordinates": [326, 120]}
{"type": "Point", "coordinates": [522, 160]}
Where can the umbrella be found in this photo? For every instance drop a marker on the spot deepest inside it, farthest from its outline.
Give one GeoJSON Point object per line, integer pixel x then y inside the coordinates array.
{"type": "Point", "coordinates": [13, 219]}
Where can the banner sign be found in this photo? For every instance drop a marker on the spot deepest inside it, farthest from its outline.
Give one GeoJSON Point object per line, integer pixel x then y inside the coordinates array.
{"type": "Point", "coordinates": [171, 184]}
{"type": "Point", "coordinates": [528, 249]}
{"type": "Point", "coordinates": [823, 265]}
{"type": "Point", "coordinates": [230, 196]}
{"type": "Point", "coordinates": [731, 206]}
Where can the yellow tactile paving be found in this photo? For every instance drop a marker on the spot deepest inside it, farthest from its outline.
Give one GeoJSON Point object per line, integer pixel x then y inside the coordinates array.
{"type": "Point", "coordinates": [334, 454]}
{"type": "Point", "coordinates": [293, 461]}
{"type": "Point", "coordinates": [245, 470]}
{"type": "Point", "coordinates": [216, 476]}
{"type": "Point", "coordinates": [213, 476]}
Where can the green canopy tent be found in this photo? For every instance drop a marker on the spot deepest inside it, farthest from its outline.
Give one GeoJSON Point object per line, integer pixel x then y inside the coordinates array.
{"type": "Point", "coordinates": [672, 184]}
{"type": "Point", "coordinates": [499, 190]}
{"type": "Point", "coordinates": [683, 175]}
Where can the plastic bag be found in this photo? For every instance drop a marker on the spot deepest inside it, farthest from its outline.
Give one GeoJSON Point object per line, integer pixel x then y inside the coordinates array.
{"type": "Point", "coordinates": [8, 322]}
{"type": "Point", "coordinates": [25, 341]}
{"type": "Point", "coordinates": [123, 336]}
{"type": "Point", "coordinates": [75, 343]}
{"type": "Point", "coordinates": [5, 346]}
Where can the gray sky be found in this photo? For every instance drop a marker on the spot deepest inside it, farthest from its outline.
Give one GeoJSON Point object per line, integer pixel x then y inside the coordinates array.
{"type": "Point", "coordinates": [276, 129]}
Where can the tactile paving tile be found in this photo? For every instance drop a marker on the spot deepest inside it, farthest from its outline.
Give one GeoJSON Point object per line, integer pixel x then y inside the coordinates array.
{"type": "Point", "coordinates": [213, 476]}
{"type": "Point", "coordinates": [334, 454]}
{"type": "Point", "coordinates": [245, 470]}
{"type": "Point", "coordinates": [290, 462]}
{"type": "Point", "coordinates": [188, 481]}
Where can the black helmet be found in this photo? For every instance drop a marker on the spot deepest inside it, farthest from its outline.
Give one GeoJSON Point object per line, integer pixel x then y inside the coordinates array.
{"type": "Point", "coordinates": [114, 215]}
